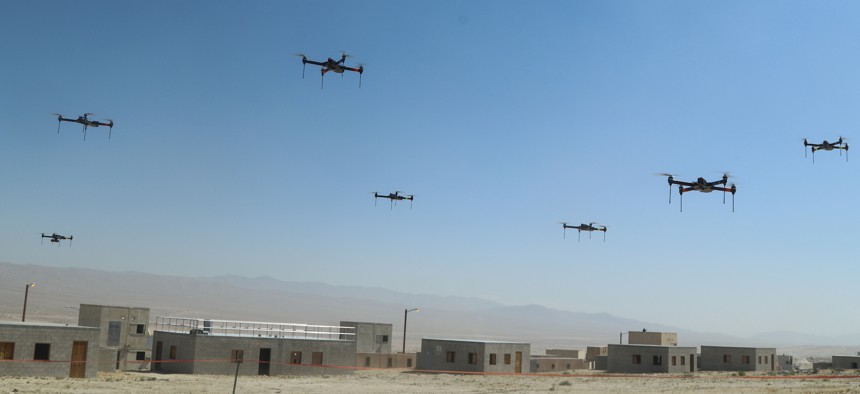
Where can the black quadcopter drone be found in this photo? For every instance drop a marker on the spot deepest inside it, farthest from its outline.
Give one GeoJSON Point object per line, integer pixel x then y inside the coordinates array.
{"type": "Point", "coordinates": [839, 145]}
{"type": "Point", "coordinates": [702, 185]}
{"type": "Point", "coordinates": [590, 227]}
{"type": "Point", "coordinates": [394, 197]}
{"type": "Point", "coordinates": [333, 66]}
{"type": "Point", "coordinates": [56, 238]}
{"type": "Point", "coordinates": [86, 121]}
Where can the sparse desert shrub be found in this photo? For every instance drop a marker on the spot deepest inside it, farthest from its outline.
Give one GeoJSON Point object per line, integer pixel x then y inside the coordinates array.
{"type": "Point", "coordinates": [565, 383]}
{"type": "Point", "coordinates": [742, 373]}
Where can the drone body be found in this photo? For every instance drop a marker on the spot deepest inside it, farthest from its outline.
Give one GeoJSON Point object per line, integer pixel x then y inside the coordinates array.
{"type": "Point", "coordinates": [330, 65]}
{"type": "Point", "coordinates": [56, 238]}
{"type": "Point", "coordinates": [590, 227]}
{"type": "Point", "coordinates": [839, 145]}
{"type": "Point", "coordinates": [703, 186]}
{"type": "Point", "coordinates": [394, 197]}
{"type": "Point", "coordinates": [86, 121]}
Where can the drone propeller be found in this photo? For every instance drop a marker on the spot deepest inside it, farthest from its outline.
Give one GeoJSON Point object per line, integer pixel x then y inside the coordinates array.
{"type": "Point", "coordinates": [563, 229]}
{"type": "Point", "coordinates": [110, 127]}
{"type": "Point", "coordinates": [59, 121]}
{"type": "Point", "coordinates": [671, 176]}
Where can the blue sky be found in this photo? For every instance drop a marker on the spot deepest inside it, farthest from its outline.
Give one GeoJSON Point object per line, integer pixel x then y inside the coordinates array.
{"type": "Point", "coordinates": [502, 118]}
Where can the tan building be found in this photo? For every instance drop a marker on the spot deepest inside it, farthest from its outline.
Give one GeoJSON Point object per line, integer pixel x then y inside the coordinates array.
{"type": "Point", "coordinates": [123, 335]}
{"type": "Point", "coordinates": [652, 338]}
{"type": "Point", "coordinates": [568, 353]}
{"type": "Point", "coordinates": [591, 354]}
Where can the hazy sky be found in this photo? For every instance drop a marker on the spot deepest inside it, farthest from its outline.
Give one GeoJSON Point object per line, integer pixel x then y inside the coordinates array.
{"type": "Point", "coordinates": [501, 117]}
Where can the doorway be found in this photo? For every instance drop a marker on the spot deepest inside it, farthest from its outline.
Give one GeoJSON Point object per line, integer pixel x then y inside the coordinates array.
{"type": "Point", "coordinates": [265, 360]}
{"type": "Point", "coordinates": [518, 366]}
{"type": "Point", "coordinates": [158, 346]}
{"type": "Point", "coordinates": [78, 369]}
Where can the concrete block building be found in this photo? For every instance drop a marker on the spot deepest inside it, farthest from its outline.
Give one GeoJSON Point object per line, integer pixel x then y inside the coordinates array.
{"type": "Point", "coordinates": [846, 362]}
{"type": "Point", "coordinates": [725, 358]}
{"type": "Point", "coordinates": [369, 337]}
{"type": "Point", "coordinates": [650, 359]}
{"type": "Point", "coordinates": [652, 338]}
{"type": "Point", "coordinates": [591, 354]}
{"type": "Point", "coordinates": [47, 349]}
{"type": "Point", "coordinates": [551, 363]}
{"type": "Point", "coordinates": [784, 362]}
{"type": "Point", "coordinates": [473, 356]}
{"type": "Point", "coordinates": [198, 346]}
{"type": "Point", "coordinates": [123, 335]}
{"type": "Point", "coordinates": [373, 346]}
{"type": "Point", "coordinates": [569, 353]}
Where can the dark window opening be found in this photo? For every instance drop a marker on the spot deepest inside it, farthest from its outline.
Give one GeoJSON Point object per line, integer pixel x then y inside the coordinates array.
{"type": "Point", "coordinates": [367, 361]}
{"type": "Point", "coordinates": [114, 329]}
{"type": "Point", "coordinates": [507, 359]}
{"type": "Point", "coordinates": [450, 357]}
{"type": "Point", "coordinates": [473, 358]}
{"type": "Point", "coordinates": [42, 352]}
{"type": "Point", "coordinates": [408, 363]}
{"type": "Point", "coordinates": [658, 360]}
{"type": "Point", "coordinates": [492, 358]}
{"type": "Point", "coordinates": [317, 358]}
{"type": "Point", "coordinates": [674, 360]}
{"type": "Point", "coordinates": [637, 359]}
{"type": "Point", "coordinates": [382, 338]}
{"type": "Point", "coordinates": [172, 353]}
{"type": "Point", "coordinates": [727, 358]}
{"type": "Point", "coordinates": [296, 358]}
{"type": "Point", "coordinates": [390, 362]}
{"type": "Point", "coordinates": [745, 359]}
{"type": "Point", "coordinates": [141, 356]}
{"type": "Point", "coordinates": [140, 329]}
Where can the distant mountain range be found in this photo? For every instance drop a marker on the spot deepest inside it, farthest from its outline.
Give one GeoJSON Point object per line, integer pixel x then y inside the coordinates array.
{"type": "Point", "coordinates": [60, 290]}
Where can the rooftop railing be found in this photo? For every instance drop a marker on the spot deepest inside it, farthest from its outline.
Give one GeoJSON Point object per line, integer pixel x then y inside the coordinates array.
{"type": "Point", "coordinates": [252, 329]}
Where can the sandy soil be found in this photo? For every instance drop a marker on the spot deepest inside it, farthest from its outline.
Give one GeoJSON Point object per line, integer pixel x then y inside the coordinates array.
{"type": "Point", "coordinates": [389, 381]}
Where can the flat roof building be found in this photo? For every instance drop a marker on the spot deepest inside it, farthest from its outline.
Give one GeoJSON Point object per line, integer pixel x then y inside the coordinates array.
{"type": "Point", "coordinates": [591, 354]}
{"type": "Point", "coordinates": [48, 349]}
{"type": "Point", "coordinates": [373, 346]}
{"type": "Point", "coordinates": [726, 358]}
{"type": "Point", "coordinates": [203, 346]}
{"type": "Point", "coordinates": [551, 363]}
{"type": "Point", "coordinates": [473, 355]}
{"type": "Point", "coordinates": [650, 359]}
{"type": "Point", "coordinates": [123, 335]}
{"type": "Point", "coordinates": [846, 362]}
{"type": "Point", "coordinates": [652, 338]}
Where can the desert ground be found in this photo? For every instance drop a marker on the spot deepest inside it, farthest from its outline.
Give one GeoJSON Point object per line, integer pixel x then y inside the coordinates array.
{"type": "Point", "coordinates": [390, 381]}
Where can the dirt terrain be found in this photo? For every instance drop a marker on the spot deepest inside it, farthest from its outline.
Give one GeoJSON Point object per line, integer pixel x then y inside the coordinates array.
{"type": "Point", "coordinates": [390, 381]}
